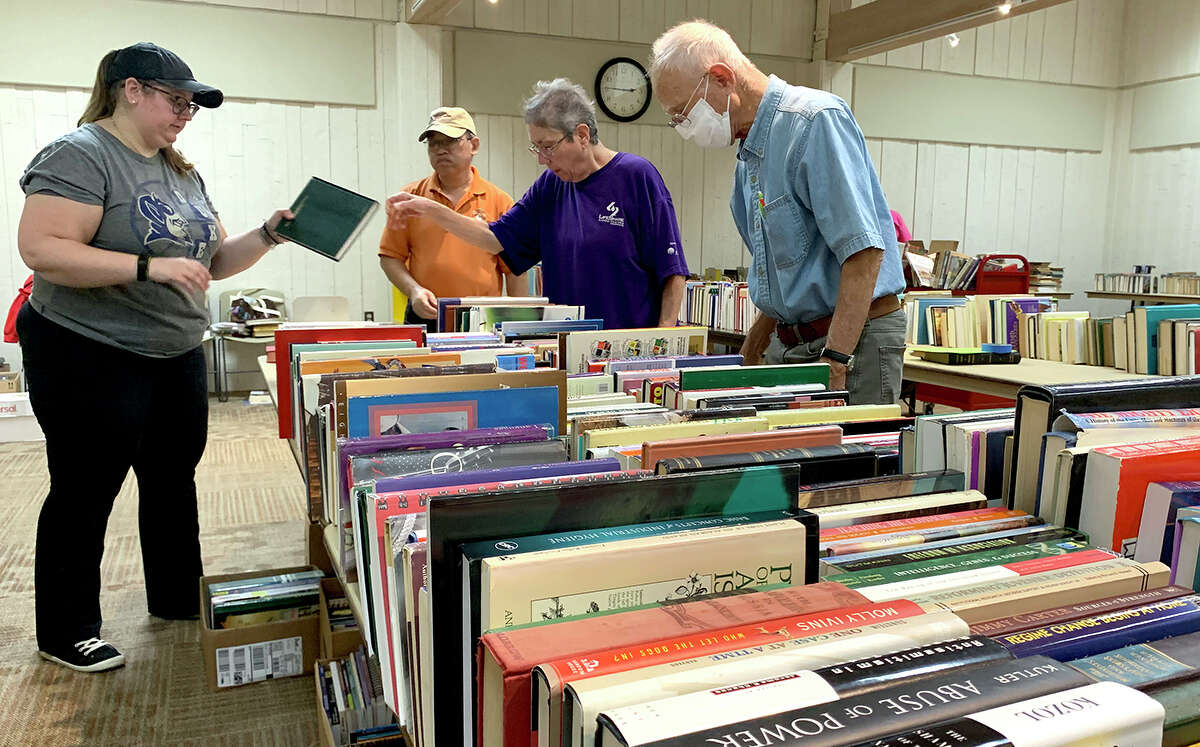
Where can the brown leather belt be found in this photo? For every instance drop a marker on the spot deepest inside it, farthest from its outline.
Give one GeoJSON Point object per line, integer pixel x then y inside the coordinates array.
{"type": "Point", "coordinates": [794, 334]}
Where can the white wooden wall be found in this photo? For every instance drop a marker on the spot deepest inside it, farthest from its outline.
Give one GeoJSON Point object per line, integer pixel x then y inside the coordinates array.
{"type": "Point", "coordinates": [255, 157]}
{"type": "Point", "coordinates": [1044, 204]}
{"type": "Point", "coordinates": [1155, 209]}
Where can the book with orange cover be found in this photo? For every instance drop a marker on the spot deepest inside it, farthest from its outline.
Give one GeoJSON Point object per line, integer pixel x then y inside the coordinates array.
{"type": "Point", "coordinates": [1114, 487]}
{"type": "Point", "coordinates": [739, 443]}
{"type": "Point", "coordinates": [915, 522]}
{"type": "Point", "coordinates": [506, 658]}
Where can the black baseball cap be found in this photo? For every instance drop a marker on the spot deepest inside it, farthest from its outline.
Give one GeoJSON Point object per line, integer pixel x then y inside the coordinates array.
{"type": "Point", "coordinates": [147, 61]}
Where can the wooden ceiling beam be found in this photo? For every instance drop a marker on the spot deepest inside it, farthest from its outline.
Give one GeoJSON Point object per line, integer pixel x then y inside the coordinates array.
{"type": "Point", "coordinates": [884, 25]}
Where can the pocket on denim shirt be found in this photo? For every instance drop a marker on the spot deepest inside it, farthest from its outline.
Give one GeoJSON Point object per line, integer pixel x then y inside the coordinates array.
{"type": "Point", "coordinates": [786, 243]}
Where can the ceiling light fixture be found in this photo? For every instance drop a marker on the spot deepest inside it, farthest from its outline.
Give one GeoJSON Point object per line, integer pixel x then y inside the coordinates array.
{"type": "Point", "coordinates": [1004, 8]}
{"type": "Point", "coordinates": [953, 39]}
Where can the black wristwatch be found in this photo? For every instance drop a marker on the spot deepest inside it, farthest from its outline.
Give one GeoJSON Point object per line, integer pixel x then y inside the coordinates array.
{"type": "Point", "coordinates": [836, 357]}
{"type": "Point", "coordinates": [143, 267]}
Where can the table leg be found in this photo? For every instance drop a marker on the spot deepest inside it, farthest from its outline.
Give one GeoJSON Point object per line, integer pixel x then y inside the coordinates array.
{"type": "Point", "coordinates": [221, 383]}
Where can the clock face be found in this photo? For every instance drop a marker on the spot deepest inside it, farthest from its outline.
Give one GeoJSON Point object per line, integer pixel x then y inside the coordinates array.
{"type": "Point", "coordinates": [622, 89]}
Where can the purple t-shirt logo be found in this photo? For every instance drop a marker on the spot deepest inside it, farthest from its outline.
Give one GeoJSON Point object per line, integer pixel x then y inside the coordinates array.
{"type": "Point", "coordinates": [611, 218]}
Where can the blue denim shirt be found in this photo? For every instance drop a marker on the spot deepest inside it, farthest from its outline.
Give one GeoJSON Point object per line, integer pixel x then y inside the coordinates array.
{"type": "Point", "coordinates": [806, 198]}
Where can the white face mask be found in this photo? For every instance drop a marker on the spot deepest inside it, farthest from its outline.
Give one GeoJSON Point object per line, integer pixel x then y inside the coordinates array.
{"type": "Point", "coordinates": [705, 127]}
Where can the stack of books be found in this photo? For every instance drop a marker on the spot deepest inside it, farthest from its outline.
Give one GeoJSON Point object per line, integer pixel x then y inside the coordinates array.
{"type": "Point", "coordinates": [645, 547]}
{"type": "Point", "coordinates": [351, 696]}
{"type": "Point", "coordinates": [255, 601]}
{"type": "Point", "coordinates": [1045, 277]}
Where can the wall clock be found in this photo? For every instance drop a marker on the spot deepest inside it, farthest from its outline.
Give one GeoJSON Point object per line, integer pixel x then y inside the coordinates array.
{"type": "Point", "coordinates": [622, 89]}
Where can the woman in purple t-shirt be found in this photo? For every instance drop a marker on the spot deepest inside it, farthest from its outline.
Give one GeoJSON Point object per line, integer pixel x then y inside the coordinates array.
{"type": "Point", "coordinates": [601, 222]}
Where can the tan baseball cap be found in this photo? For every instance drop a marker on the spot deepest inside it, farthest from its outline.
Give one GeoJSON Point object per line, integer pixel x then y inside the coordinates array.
{"type": "Point", "coordinates": [452, 121]}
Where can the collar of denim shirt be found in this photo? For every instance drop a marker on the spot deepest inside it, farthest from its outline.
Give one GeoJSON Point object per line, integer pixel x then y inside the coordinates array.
{"type": "Point", "coordinates": [760, 131]}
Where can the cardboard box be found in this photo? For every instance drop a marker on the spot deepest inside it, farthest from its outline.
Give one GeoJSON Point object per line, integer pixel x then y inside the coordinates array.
{"type": "Point", "coordinates": [10, 382]}
{"type": "Point", "coordinates": [335, 643]}
{"type": "Point", "coordinates": [288, 648]}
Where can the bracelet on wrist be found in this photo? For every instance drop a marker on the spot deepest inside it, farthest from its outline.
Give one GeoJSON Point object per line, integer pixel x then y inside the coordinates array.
{"type": "Point", "coordinates": [269, 238]}
{"type": "Point", "coordinates": [143, 267]}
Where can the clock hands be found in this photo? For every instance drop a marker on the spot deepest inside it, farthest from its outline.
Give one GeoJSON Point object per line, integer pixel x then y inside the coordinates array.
{"type": "Point", "coordinates": [614, 88]}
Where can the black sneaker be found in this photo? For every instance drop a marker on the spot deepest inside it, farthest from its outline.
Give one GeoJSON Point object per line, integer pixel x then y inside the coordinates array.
{"type": "Point", "coordinates": [91, 655]}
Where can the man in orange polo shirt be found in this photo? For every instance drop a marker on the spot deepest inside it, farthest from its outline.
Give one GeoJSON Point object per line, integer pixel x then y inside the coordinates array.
{"type": "Point", "coordinates": [422, 259]}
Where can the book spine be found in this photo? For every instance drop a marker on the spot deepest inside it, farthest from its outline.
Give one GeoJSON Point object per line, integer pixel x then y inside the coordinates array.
{"type": "Point", "coordinates": [966, 548]}
{"type": "Point", "coordinates": [1019, 595]}
{"type": "Point", "coordinates": [1003, 557]}
{"type": "Point", "coordinates": [933, 534]}
{"type": "Point", "coordinates": [1015, 623]}
{"type": "Point", "coordinates": [873, 715]}
{"type": "Point", "coordinates": [1146, 665]}
{"type": "Point", "coordinates": [1076, 639]}
{"type": "Point", "coordinates": [922, 522]}
{"type": "Point", "coordinates": [763, 696]}
{"type": "Point", "coordinates": [877, 672]}
{"type": "Point", "coordinates": [663, 650]}
{"type": "Point", "coordinates": [1101, 713]}
{"type": "Point", "coordinates": [959, 579]}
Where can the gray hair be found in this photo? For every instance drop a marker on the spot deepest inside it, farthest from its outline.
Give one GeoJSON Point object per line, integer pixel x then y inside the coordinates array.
{"type": "Point", "coordinates": [561, 105]}
{"type": "Point", "coordinates": [692, 47]}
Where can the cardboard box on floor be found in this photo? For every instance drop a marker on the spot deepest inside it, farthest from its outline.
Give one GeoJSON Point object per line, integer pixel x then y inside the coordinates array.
{"type": "Point", "coordinates": [335, 643]}
{"type": "Point", "coordinates": [10, 382]}
{"type": "Point", "coordinates": [284, 649]}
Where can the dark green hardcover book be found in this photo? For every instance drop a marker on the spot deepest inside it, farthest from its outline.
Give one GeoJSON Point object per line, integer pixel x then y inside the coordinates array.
{"type": "Point", "coordinates": [455, 520]}
{"type": "Point", "coordinates": [744, 376]}
{"type": "Point", "coordinates": [942, 566]}
{"type": "Point", "coordinates": [328, 218]}
{"type": "Point", "coordinates": [818, 464]}
{"type": "Point", "coordinates": [1053, 534]}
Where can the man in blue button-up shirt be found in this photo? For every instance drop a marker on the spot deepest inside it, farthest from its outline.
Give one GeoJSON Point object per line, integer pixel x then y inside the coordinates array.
{"type": "Point", "coordinates": [825, 265]}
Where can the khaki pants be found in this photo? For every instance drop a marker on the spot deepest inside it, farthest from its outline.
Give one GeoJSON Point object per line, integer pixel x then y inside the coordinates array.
{"type": "Point", "coordinates": [878, 359]}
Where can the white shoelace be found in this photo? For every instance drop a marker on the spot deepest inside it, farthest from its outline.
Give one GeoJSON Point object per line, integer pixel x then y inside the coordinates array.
{"type": "Point", "coordinates": [87, 647]}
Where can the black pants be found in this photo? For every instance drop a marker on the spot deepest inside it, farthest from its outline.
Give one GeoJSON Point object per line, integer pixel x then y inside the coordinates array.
{"type": "Point", "coordinates": [412, 317]}
{"type": "Point", "coordinates": [104, 410]}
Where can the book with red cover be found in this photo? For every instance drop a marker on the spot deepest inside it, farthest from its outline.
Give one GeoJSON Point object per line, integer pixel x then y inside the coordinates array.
{"type": "Point", "coordinates": [738, 443]}
{"type": "Point", "coordinates": [1114, 487]}
{"type": "Point", "coordinates": [514, 653]}
{"type": "Point", "coordinates": [285, 338]}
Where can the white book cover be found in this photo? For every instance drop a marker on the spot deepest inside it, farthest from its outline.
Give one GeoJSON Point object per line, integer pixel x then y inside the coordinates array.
{"type": "Point", "coordinates": [853, 513]}
{"type": "Point", "coordinates": [1106, 713]}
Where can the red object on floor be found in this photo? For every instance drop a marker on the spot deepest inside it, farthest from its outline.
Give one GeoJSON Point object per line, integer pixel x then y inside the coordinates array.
{"type": "Point", "coordinates": [943, 395]}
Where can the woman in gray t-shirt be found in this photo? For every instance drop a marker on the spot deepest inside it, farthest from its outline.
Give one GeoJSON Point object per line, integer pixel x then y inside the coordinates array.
{"type": "Point", "coordinates": [123, 241]}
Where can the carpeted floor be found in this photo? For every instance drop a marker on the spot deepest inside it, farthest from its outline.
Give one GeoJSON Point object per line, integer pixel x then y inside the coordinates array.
{"type": "Point", "coordinates": [251, 517]}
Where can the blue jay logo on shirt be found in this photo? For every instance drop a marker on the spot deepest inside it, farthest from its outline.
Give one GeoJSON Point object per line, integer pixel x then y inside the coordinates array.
{"type": "Point", "coordinates": [611, 217]}
{"type": "Point", "coordinates": [157, 214]}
